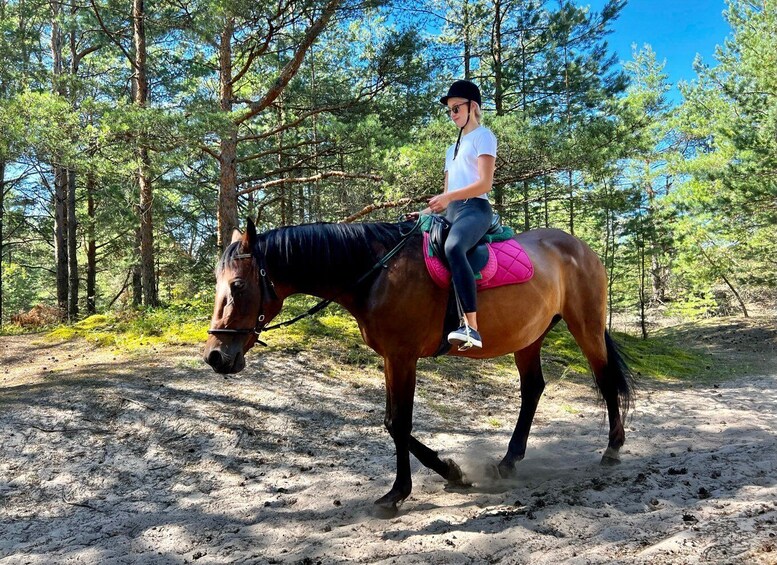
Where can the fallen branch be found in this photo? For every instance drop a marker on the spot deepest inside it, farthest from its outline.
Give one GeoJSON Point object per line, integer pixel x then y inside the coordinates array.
{"type": "Point", "coordinates": [124, 398]}
{"type": "Point", "coordinates": [68, 430]}
{"type": "Point", "coordinates": [80, 504]}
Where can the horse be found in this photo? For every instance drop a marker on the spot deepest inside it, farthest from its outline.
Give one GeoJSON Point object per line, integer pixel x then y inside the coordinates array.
{"type": "Point", "coordinates": [400, 314]}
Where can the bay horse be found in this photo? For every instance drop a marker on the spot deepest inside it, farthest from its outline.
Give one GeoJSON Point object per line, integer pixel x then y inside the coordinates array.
{"type": "Point", "coordinates": [400, 314]}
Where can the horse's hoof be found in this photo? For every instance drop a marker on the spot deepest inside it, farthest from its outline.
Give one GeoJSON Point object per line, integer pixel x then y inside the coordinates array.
{"type": "Point", "coordinates": [391, 501]}
{"type": "Point", "coordinates": [491, 472]}
{"type": "Point", "coordinates": [611, 457]}
{"type": "Point", "coordinates": [456, 476]}
{"type": "Point", "coordinates": [505, 471]}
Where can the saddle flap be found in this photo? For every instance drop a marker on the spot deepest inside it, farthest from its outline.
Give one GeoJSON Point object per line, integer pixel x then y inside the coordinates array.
{"type": "Point", "coordinates": [438, 232]}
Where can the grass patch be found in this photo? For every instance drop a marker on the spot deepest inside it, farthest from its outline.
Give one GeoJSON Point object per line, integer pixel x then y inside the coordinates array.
{"type": "Point", "coordinates": [659, 357]}
{"type": "Point", "coordinates": [132, 330]}
{"type": "Point", "coordinates": [494, 422]}
{"type": "Point", "coordinates": [570, 409]}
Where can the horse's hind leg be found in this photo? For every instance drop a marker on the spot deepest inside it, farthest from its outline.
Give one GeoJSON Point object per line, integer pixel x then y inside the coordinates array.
{"type": "Point", "coordinates": [447, 468]}
{"type": "Point", "coordinates": [613, 380]}
{"type": "Point", "coordinates": [532, 384]}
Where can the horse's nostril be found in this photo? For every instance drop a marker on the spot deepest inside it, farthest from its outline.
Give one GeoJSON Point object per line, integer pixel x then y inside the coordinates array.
{"type": "Point", "coordinates": [215, 359]}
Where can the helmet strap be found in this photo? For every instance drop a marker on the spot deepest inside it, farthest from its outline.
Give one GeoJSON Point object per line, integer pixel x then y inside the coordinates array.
{"type": "Point", "coordinates": [458, 140]}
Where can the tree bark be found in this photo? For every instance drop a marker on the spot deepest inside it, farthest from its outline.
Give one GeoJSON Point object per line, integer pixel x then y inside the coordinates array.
{"type": "Point", "coordinates": [571, 189]}
{"type": "Point", "coordinates": [140, 92]}
{"type": "Point", "coordinates": [60, 239]}
{"type": "Point", "coordinates": [91, 249]}
{"type": "Point", "coordinates": [72, 247]}
{"type": "Point", "coordinates": [2, 216]}
{"type": "Point", "coordinates": [137, 277]}
{"type": "Point", "coordinates": [227, 200]}
{"type": "Point", "coordinates": [467, 46]}
{"type": "Point", "coordinates": [60, 175]}
{"type": "Point", "coordinates": [496, 50]}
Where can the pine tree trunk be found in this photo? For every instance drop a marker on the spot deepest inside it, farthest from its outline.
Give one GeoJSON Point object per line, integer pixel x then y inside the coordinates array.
{"type": "Point", "coordinates": [137, 277]}
{"type": "Point", "coordinates": [526, 210]}
{"type": "Point", "coordinates": [227, 200]}
{"type": "Point", "coordinates": [140, 92]}
{"type": "Point", "coordinates": [609, 256]}
{"type": "Point", "coordinates": [496, 49]}
{"type": "Point", "coordinates": [60, 174]}
{"type": "Point", "coordinates": [467, 40]}
{"type": "Point", "coordinates": [60, 239]}
{"type": "Point", "coordinates": [571, 189]}
{"type": "Point", "coordinates": [91, 250]}
{"type": "Point", "coordinates": [2, 216]}
{"type": "Point", "coordinates": [642, 277]}
{"type": "Point", "coordinates": [72, 244]}
{"type": "Point", "coordinates": [148, 274]}
{"type": "Point", "coordinates": [497, 56]}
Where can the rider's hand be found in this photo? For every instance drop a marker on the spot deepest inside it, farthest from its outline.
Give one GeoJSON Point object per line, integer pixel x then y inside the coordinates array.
{"type": "Point", "coordinates": [440, 202]}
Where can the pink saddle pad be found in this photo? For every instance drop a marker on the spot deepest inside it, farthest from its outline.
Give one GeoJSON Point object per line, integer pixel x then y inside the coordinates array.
{"type": "Point", "coordinates": [508, 263]}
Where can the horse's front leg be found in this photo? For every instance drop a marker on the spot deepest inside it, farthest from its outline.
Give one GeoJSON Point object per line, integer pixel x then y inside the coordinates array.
{"type": "Point", "coordinates": [400, 390]}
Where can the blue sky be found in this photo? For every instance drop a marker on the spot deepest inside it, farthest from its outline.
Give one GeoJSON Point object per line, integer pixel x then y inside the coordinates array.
{"type": "Point", "coordinates": [676, 29]}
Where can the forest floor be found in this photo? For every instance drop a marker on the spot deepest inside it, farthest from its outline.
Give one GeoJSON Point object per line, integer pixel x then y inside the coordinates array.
{"type": "Point", "coordinates": [153, 458]}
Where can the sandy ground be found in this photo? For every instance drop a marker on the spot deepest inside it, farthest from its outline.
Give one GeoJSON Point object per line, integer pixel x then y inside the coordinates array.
{"type": "Point", "coordinates": [155, 459]}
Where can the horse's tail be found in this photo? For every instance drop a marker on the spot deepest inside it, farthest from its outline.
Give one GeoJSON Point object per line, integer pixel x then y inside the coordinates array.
{"type": "Point", "coordinates": [619, 375]}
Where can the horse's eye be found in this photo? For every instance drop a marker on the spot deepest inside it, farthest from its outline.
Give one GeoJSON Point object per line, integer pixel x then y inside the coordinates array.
{"type": "Point", "coordinates": [238, 285]}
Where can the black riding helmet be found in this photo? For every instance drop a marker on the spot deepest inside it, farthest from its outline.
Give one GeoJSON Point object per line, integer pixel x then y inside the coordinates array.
{"type": "Point", "coordinates": [467, 90]}
{"type": "Point", "coordinates": [462, 89]}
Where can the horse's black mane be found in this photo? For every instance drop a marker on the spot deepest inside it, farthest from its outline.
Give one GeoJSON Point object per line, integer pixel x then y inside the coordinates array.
{"type": "Point", "coordinates": [334, 252]}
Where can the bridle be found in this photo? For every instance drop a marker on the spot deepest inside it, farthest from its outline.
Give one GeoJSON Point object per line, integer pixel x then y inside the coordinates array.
{"type": "Point", "coordinates": [268, 289]}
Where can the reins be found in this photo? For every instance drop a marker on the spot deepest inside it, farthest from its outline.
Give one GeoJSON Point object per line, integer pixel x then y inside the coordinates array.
{"type": "Point", "coordinates": [268, 287]}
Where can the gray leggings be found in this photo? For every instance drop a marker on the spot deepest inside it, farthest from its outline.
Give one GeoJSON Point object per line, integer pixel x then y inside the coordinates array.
{"type": "Point", "coordinates": [470, 220]}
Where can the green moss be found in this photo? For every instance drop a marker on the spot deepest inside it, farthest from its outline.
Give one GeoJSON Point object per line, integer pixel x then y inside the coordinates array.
{"type": "Point", "coordinates": [139, 329]}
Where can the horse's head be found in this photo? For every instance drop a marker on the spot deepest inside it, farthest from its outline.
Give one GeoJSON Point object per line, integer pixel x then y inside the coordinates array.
{"type": "Point", "coordinates": [245, 303]}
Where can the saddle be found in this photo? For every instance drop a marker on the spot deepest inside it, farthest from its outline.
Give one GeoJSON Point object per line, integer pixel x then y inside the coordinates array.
{"type": "Point", "coordinates": [496, 260]}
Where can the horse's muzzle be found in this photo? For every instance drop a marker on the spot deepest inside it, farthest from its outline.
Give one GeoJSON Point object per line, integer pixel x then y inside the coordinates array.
{"type": "Point", "coordinates": [222, 362]}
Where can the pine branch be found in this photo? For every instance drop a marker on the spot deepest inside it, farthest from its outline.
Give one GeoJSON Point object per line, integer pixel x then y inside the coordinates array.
{"type": "Point", "coordinates": [313, 178]}
{"type": "Point", "coordinates": [290, 69]}
{"type": "Point", "coordinates": [383, 205]}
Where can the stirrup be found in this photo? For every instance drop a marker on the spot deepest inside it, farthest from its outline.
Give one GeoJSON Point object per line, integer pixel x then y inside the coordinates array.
{"type": "Point", "coordinates": [465, 338]}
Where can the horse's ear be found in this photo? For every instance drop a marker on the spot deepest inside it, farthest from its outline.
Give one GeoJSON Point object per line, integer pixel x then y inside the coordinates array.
{"type": "Point", "coordinates": [236, 235]}
{"type": "Point", "coordinates": [249, 238]}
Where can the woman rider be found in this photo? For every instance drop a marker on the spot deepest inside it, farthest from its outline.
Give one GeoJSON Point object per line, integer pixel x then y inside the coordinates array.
{"type": "Point", "coordinates": [469, 174]}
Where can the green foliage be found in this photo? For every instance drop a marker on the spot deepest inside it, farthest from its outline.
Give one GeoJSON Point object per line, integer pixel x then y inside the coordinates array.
{"type": "Point", "coordinates": [729, 203]}
{"type": "Point", "coordinates": [679, 202]}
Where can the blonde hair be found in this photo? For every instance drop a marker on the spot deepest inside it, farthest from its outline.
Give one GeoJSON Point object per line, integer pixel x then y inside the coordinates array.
{"type": "Point", "coordinates": [477, 111]}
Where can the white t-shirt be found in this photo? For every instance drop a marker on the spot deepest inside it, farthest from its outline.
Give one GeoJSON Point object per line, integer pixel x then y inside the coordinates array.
{"type": "Point", "coordinates": [463, 171]}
